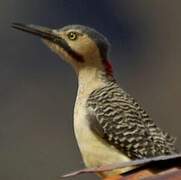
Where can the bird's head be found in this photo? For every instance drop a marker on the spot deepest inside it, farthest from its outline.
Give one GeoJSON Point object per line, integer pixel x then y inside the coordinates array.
{"type": "Point", "coordinates": [78, 45]}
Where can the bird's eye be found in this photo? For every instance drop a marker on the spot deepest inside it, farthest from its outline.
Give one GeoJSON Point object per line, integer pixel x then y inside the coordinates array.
{"type": "Point", "coordinates": [72, 36]}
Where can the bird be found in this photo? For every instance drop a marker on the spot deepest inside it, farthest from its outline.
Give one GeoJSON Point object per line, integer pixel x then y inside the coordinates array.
{"type": "Point", "coordinates": [109, 125]}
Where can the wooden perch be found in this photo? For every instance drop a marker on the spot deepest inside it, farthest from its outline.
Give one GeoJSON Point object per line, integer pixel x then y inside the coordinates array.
{"type": "Point", "coordinates": [156, 163]}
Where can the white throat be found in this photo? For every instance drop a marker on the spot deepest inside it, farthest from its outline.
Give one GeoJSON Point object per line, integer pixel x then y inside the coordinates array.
{"type": "Point", "coordinates": [89, 79]}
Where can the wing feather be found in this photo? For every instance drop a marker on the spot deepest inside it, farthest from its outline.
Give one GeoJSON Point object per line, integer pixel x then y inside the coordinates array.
{"type": "Point", "coordinates": [117, 117]}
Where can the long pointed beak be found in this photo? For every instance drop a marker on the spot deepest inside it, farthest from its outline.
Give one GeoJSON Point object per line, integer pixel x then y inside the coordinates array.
{"type": "Point", "coordinates": [48, 34]}
{"type": "Point", "coordinates": [40, 31]}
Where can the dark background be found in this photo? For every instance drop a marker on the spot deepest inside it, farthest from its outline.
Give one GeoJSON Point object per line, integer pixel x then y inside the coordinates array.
{"type": "Point", "coordinates": [38, 90]}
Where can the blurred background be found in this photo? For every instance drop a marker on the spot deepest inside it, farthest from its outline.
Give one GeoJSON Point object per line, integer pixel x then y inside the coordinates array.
{"type": "Point", "coordinates": [38, 90]}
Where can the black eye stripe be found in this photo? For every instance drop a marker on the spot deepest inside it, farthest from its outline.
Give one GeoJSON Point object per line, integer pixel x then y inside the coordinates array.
{"type": "Point", "coordinates": [63, 44]}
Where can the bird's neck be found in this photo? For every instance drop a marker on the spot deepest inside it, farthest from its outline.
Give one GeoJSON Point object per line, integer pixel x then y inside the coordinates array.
{"type": "Point", "coordinates": [107, 68]}
{"type": "Point", "coordinates": [91, 78]}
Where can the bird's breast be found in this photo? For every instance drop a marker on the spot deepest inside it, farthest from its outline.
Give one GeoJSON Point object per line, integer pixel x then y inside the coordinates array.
{"type": "Point", "coordinates": [95, 151]}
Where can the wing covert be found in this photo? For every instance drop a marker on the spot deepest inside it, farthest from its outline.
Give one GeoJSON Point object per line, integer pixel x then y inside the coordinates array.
{"type": "Point", "coordinates": [117, 118]}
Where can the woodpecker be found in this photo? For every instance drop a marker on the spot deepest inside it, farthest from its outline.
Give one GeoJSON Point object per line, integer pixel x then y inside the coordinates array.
{"type": "Point", "coordinates": [109, 125]}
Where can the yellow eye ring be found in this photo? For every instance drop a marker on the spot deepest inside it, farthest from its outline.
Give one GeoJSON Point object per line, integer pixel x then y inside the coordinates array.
{"type": "Point", "coordinates": [72, 36]}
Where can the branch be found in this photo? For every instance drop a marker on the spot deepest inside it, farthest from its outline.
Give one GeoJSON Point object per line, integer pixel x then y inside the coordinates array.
{"type": "Point", "coordinates": [139, 162]}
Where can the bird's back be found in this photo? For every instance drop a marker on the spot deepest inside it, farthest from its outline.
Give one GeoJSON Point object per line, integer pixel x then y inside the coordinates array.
{"type": "Point", "coordinates": [120, 120]}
